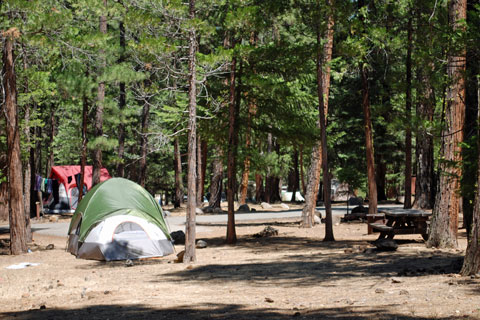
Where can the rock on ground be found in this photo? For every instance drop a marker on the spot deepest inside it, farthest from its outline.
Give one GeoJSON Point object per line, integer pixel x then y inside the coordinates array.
{"type": "Point", "coordinates": [267, 232]}
{"type": "Point", "coordinates": [386, 245]}
{"type": "Point", "coordinates": [266, 205]}
{"type": "Point", "coordinates": [201, 244]}
{"type": "Point", "coordinates": [243, 208]}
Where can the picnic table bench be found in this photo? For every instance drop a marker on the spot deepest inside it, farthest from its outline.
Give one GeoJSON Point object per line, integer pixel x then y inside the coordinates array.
{"type": "Point", "coordinates": [392, 221]}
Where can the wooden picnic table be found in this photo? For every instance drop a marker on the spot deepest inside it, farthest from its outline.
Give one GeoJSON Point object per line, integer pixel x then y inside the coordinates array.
{"type": "Point", "coordinates": [401, 221]}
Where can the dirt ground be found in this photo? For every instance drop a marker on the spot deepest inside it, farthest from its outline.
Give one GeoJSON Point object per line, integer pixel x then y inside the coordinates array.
{"type": "Point", "coordinates": [292, 275]}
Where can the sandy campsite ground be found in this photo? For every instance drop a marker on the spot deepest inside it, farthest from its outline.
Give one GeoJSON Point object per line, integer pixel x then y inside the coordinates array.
{"type": "Point", "coordinates": [292, 275]}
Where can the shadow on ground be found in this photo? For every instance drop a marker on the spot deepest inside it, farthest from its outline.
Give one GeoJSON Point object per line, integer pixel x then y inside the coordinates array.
{"type": "Point", "coordinates": [209, 311]}
{"type": "Point", "coordinates": [306, 262]}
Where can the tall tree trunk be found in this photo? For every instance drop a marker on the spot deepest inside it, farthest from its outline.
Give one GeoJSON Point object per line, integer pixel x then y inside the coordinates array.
{"type": "Point", "coordinates": [407, 204]}
{"type": "Point", "coordinates": [16, 209]}
{"type": "Point", "coordinates": [323, 88]}
{"type": "Point", "coordinates": [372, 185]}
{"type": "Point", "coordinates": [232, 152]}
{"type": "Point", "coordinates": [444, 226]}
{"type": "Point", "coordinates": [470, 156]}
{"type": "Point", "coordinates": [27, 187]}
{"type": "Point", "coordinates": [313, 184]}
{"type": "Point", "coordinates": [33, 169]}
{"type": "Point", "coordinates": [144, 143]}
{"type": "Point", "coordinates": [97, 152]}
{"type": "Point", "coordinates": [122, 102]}
{"type": "Point", "coordinates": [252, 110]}
{"type": "Point", "coordinates": [190, 255]}
{"type": "Point", "coordinates": [217, 179]}
{"type": "Point", "coordinates": [471, 263]}
{"type": "Point", "coordinates": [4, 196]}
{"type": "Point", "coordinates": [259, 191]}
{"type": "Point", "coordinates": [178, 174]}
{"type": "Point", "coordinates": [83, 158]}
{"type": "Point", "coordinates": [37, 158]}
{"type": "Point", "coordinates": [424, 182]}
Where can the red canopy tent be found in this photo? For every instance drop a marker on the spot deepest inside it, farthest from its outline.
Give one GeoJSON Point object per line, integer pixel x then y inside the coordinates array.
{"type": "Point", "coordinates": [67, 177]}
{"type": "Point", "coordinates": [63, 173]}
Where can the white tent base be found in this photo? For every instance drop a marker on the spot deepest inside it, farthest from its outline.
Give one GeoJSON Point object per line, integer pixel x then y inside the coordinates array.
{"type": "Point", "coordinates": [121, 237]}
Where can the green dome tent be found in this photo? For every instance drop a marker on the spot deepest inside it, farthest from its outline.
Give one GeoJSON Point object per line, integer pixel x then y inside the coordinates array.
{"type": "Point", "coordinates": [117, 220]}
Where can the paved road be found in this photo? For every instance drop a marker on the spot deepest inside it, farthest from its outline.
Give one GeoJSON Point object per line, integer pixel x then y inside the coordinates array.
{"type": "Point", "coordinates": [178, 223]}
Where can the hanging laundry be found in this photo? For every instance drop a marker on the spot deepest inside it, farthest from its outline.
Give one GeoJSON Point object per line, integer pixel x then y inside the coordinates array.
{"type": "Point", "coordinates": [38, 182]}
{"type": "Point", "coordinates": [49, 186]}
{"type": "Point", "coordinates": [42, 185]}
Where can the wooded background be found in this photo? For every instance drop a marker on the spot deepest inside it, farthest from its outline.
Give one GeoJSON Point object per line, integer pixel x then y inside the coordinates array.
{"type": "Point", "coordinates": [266, 89]}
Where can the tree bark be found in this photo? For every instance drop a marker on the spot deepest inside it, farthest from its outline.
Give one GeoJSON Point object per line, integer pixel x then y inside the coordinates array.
{"type": "Point", "coordinates": [407, 204]}
{"type": "Point", "coordinates": [313, 184]}
{"type": "Point", "coordinates": [259, 191]}
{"type": "Point", "coordinates": [122, 102]}
{"type": "Point", "coordinates": [424, 182]}
{"type": "Point", "coordinates": [425, 106]}
{"type": "Point", "coordinates": [444, 226]}
{"type": "Point", "coordinates": [372, 185]}
{"type": "Point", "coordinates": [27, 187]}
{"type": "Point", "coordinates": [97, 152]}
{"type": "Point", "coordinates": [33, 170]}
{"type": "Point", "coordinates": [16, 209]}
{"type": "Point", "coordinates": [471, 263]}
{"type": "Point", "coordinates": [252, 110]}
{"type": "Point", "coordinates": [470, 163]}
{"type": "Point", "coordinates": [37, 158]}
{"type": "Point", "coordinates": [217, 179]}
{"type": "Point", "coordinates": [323, 88]}
{"type": "Point", "coordinates": [178, 174]}
{"type": "Point", "coordinates": [190, 234]}
{"type": "Point", "coordinates": [232, 153]}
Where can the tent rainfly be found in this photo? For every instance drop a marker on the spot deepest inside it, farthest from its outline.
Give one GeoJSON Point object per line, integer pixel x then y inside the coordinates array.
{"type": "Point", "coordinates": [118, 220]}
